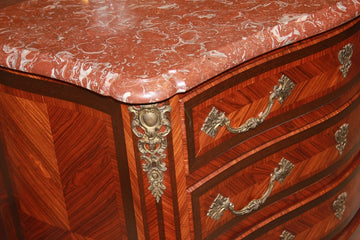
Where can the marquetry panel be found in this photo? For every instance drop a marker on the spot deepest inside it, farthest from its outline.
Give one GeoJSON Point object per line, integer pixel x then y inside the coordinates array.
{"type": "Point", "coordinates": [352, 230]}
{"type": "Point", "coordinates": [33, 166]}
{"type": "Point", "coordinates": [315, 76]}
{"type": "Point", "coordinates": [285, 134]}
{"type": "Point", "coordinates": [7, 227]}
{"type": "Point", "coordinates": [87, 166]}
{"type": "Point", "coordinates": [320, 221]}
{"type": "Point", "coordinates": [312, 157]}
{"type": "Point", "coordinates": [63, 168]}
{"type": "Point", "coordinates": [279, 211]}
{"type": "Point", "coordinates": [35, 229]}
{"type": "Point", "coordinates": [75, 236]}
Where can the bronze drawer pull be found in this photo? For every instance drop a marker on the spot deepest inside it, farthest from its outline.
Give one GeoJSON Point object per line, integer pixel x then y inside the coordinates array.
{"type": "Point", "coordinates": [341, 137]}
{"type": "Point", "coordinates": [221, 203]}
{"type": "Point", "coordinates": [285, 235]}
{"type": "Point", "coordinates": [216, 119]}
{"type": "Point", "coordinates": [344, 57]}
{"type": "Point", "coordinates": [339, 205]}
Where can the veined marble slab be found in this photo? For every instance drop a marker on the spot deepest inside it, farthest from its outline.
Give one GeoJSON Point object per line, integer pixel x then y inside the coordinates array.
{"type": "Point", "coordinates": [147, 51]}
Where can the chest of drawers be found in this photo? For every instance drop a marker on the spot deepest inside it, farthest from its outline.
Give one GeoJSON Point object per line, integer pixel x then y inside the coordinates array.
{"type": "Point", "coordinates": [243, 139]}
{"type": "Point", "coordinates": [269, 149]}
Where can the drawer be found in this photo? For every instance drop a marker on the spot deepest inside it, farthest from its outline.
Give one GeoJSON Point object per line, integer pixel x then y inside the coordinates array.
{"type": "Point", "coordinates": [265, 96]}
{"type": "Point", "coordinates": [317, 153]}
{"type": "Point", "coordinates": [273, 139]}
{"type": "Point", "coordinates": [322, 218]}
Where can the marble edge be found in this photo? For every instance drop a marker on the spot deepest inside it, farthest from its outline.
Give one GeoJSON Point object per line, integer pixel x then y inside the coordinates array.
{"type": "Point", "coordinates": [206, 64]}
{"type": "Point", "coordinates": [158, 95]}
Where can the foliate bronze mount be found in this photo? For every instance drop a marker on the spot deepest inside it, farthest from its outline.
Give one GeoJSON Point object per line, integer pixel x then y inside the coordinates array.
{"type": "Point", "coordinates": [344, 57]}
{"type": "Point", "coordinates": [221, 203]}
{"type": "Point", "coordinates": [341, 137]}
{"type": "Point", "coordinates": [285, 235]}
{"type": "Point", "coordinates": [339, 205]}
{"type": "Point", "coordinates": [151, 125]}
{"type": "Point", "coordinates": [216, 119]}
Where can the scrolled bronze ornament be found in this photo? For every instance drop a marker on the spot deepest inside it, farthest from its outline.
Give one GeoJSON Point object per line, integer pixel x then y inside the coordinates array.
{"type": "Point", "coordinates": [344, 57]}
{"type": "Point", "coordinates": [285, 235]}
{"type": "Point", "coordinates": [216, 119]}
{"type": "Point", "coordinates": [341, 137]}
{"type": "Point", "coordinates": [339, 205]}
{"type": "Point", "coordinates": [151, 126]}
{"type": "Point", "coordinates": [221, 203]}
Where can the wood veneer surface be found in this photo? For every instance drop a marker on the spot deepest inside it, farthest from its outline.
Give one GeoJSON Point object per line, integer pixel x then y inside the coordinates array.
{"type": "Point", "coordinates": [319, 220]}
{"type": "Point", "coordinates": [147, 216]}
{"type": "Point", "coordinates": [321, 153]}
{"type": "Point", "coordinates": [62, 181]}
{"type": "Point", "coordinates": [352, 230]}
{"type": "Point", "coordinates": [310, 72]}
{"type": "Point", "coordinates": [76, 191]}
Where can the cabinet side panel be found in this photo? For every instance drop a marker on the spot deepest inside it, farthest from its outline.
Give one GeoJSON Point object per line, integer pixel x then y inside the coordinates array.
{"type": "Point", "coordinates": [7, 223]}
{"type": "Point", "coordinates": [85, 151]}
{"type": "Point", "coordinates": [32, 164]}
{"type": "Point", "coordinates": [64, 158]}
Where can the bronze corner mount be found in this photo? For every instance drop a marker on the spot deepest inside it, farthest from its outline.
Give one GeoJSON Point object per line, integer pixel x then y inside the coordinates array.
{"type": "Point", "coordinates": [151, 125]}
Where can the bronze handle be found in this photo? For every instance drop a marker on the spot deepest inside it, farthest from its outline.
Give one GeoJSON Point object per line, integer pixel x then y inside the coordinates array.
{"type": "Point", "coordinates": [344, 57]}
{"type": "Point", "coordinates": [221, 203]}
{"type": "Point", "coordinates": [285, 235]}
{"type": "Point", "coordinates": [216, 119]}
{"type": "Point", "coordinates": [339, 205]}
{"type": "Point", "coordinates": [341, 137]}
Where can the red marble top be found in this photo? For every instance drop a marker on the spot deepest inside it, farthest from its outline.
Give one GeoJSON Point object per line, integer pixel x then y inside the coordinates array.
{"type": "Point", "coordinates": [144, 51]}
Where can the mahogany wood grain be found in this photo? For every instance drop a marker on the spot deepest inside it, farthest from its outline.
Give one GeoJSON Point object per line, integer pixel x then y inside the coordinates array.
{"type": "Point", "coordinates": [310, 158]}
{"type": "Point", "coordinates": [355, 234]}
{"type": "Point", "coordinates": [352, 229]}
{"type": "Point", "coordinates": [240, 155]}
{"type": "Point", "coordinates": [7, 225]}
{"type": "Point", "coordinates": [9, 214]}
{"type": "Point", "coordinates": [246, 99]}
{"type": "Point", "coordinates": [316, 194]}
{"type": "Point", "coordinates": [62, 180]}
{"type": "Point", "coordinates": [179, 169]}
{"type": "Point", "coordinates": [276, 58]}
{"type": "Point", "coordinates": [317, 222]}
{"type": "Point", "coordinates": [33, 166]}
{"type": "Point", "coordinates": [80, 191]}
{"type": "Point", "coordinates": [136, 186]}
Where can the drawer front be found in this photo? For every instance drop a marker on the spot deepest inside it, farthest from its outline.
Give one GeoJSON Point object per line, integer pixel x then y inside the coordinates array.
{"type": "Point", "coordinates": [332, 212]}
{"type": "Point", "coordinates": [273, 139]}
{"type": "Point", "coordinates": [264, 96]}
{"type": "Point", "coordinates": [297, 166]}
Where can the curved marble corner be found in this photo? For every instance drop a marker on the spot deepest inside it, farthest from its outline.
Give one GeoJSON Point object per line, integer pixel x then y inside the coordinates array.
{"type": "Point", "coordinates": [150, 50]}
